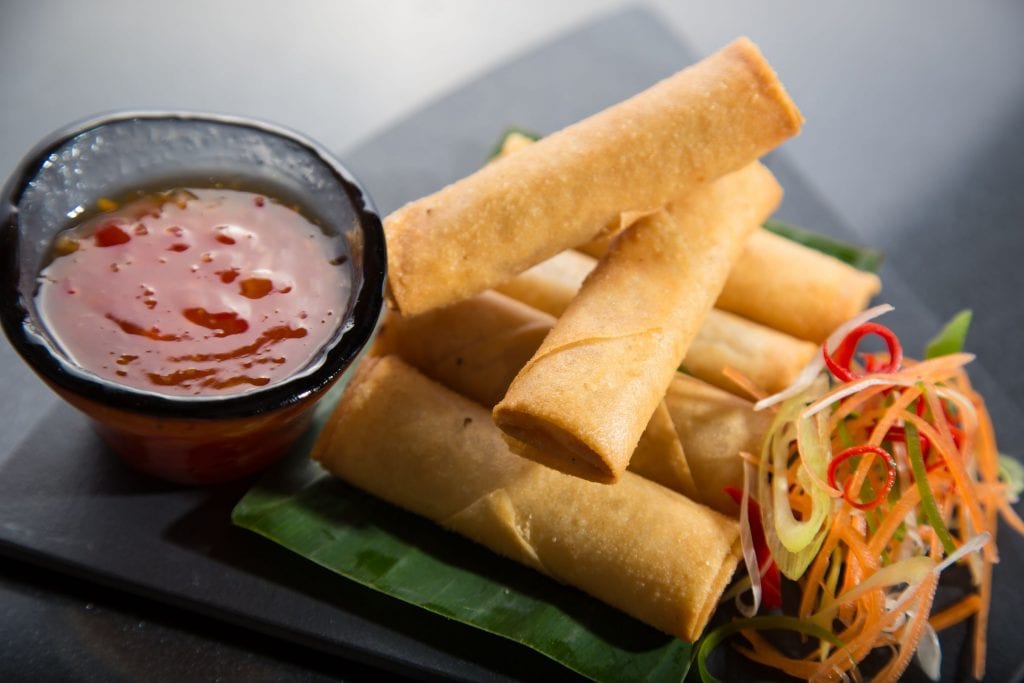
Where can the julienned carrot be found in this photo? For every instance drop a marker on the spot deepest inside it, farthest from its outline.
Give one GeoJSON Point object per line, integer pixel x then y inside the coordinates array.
{"type": "Point", "coordinates": [957, 612]}
{"type": "Point", "coordinates": [959, 473]}
{"type": "Point", "coordinates": [912, 630]}
{"type": "Point", "coordinates": [1010, 516]}
{"type": "Point", "coordinates": [821, 561]}
{"type": "Point", "coordinates": [985, 597]}
{"type": "Point", "coordinates": [765, 653]}
{"type": "Point", "coordinates": [743, 382]}
{"type": "Point", "coordinates": [897, 514]}
{"type": "Point", "coordinates": [919, 600]}
{"type": "Point", "coordinates": [851, 585]}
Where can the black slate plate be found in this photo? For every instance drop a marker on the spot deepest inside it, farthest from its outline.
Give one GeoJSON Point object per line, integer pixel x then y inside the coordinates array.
{"type": "Point", "coordinates": [67, 504]}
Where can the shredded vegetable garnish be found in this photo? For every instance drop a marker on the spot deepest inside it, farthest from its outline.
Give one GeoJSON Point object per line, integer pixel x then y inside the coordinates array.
{"type": "Point", "coordinates": [877, 473]}
{"type": "Point", "coordinates": [815, 366]}
{"type": "Point", "coordinates": [883, 488]}
{"type": "Point", "coordinates": [838, 361]}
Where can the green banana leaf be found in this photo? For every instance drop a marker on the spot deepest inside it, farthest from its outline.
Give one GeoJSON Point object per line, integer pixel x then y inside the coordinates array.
{"type": "Point", "coordinates": [861, 258]}
{"type": "Point", "coordinates": [366, 540]}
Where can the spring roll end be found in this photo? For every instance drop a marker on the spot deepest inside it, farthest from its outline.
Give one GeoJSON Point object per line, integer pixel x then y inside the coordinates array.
{"type": "Point", "coordinates": [789, 118]}
{"type": "Point", "coordinates": [536, 439]}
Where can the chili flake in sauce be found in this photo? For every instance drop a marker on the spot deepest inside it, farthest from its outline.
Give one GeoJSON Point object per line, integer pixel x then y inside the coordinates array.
{"type": "Point", "coordinates": [195, 292]}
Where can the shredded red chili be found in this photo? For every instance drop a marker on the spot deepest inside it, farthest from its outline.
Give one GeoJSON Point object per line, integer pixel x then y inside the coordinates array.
{"type": "Point", "coordinates": [839, 361]}
{"type": "Point", "coordinates": [931, 462]}
{"type": "Point", "coordinates": [771, 578]}
{"type": "Point", "coordinates": [883, 491]}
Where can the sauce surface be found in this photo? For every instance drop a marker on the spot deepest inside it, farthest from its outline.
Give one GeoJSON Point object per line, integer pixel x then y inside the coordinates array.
{"type": "Point", "coordinates": [194, 292]}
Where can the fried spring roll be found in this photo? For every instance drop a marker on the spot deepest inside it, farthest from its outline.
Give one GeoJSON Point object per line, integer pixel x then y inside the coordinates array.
{"type": "Point", "coordinates": [476, 346]}
{"type": "Point", "coordinates": [777, 282]}
{"type": "Point", "coordinates": [599, 245]}
{"type": "Point", "coordinates": [637, 546]}
{"type": "Point", "coordinates": [771, 359]}
{"type": "Point", "coordinates": [788, 287]}
{"type": "Point", "coordinates": [582, 402]}
{"type": "Point", "coordinates": [794, 288]}
{"type": "Point", "coordinates": [550, 285]}
{"type": "Point", "coordinates": [708, 120]}
{"type": "Point", "coordinates": [714, 426]}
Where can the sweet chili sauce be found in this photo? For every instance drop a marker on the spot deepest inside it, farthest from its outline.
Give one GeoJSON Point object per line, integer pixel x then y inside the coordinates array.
{"type": "Point", "coordinates": [194, 292]}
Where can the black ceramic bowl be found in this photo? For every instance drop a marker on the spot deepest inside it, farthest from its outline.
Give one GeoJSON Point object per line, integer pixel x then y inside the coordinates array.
{"type": "Point", "coordinates": [186, 439]}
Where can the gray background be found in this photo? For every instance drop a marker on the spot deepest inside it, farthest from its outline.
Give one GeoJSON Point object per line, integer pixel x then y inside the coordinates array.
{"type": "Point", "coordinates": [913, 138]}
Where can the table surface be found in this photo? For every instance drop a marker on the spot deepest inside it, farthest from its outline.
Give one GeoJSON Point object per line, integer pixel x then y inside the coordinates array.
{"type": "Point", "coordinates": [912, 137]}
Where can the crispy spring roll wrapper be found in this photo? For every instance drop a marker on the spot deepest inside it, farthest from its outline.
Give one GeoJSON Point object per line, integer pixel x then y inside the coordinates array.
{"type": "Point", "coordinates": [582, 402]}
{"type": "Point", "coordinates": [777, 282]}
{"type": "Point", "coordinates": [771, 359]}
{"type": "Point", "coordinates": [712, 118]}
{"type": "Point", "coordinates": [794, 288]}
{"type": "Point", "coordinates": [599, 245]}
{"type": "Point", "coordinates": [476, 347]}
{"type": "Point", "coordinates": [550, 285]}
{"type": "Point", "coordinates": [714, 426]}
{"type": "Point", "coordinates": [660, 456]}
{"type": "Point", "coordinates": [637, 546]}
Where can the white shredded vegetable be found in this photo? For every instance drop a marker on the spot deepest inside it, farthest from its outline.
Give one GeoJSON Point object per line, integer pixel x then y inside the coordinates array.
{"type": "Point", "coordinates": [929, 653]}
{"type": "Point", "coordinates": [749, 553]}
{"type": "Point", "coordinates": [817, 363]}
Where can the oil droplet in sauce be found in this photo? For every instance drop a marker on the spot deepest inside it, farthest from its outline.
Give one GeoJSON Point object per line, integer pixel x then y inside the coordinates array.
{"type": "Point", "coordinates": [194, 292]}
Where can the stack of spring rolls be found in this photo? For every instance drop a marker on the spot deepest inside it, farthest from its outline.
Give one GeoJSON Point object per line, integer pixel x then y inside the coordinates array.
{"type": "Point", "coordinates": [528, 396]}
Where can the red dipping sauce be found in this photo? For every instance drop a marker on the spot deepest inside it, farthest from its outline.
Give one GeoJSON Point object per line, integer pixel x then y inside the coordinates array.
{"type": "Point", "coordinates": [195, 292]}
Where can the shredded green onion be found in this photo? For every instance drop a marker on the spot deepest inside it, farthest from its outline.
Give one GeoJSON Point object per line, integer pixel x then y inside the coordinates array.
{"type": "Point", "coordinates": [795, 543]}
{"type": "Point", "coordinates": [862, 258]}
{"type": "Point", "coordinates": [931, 510]}
{"type": "Point", "coordinates": [951, 337]}
{"type": "Point", "coordinates": [1011, 472]}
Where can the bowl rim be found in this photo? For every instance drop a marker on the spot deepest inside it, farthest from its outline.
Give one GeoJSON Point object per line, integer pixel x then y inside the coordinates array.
{"type": "Point", "coordinates": [355, 331]}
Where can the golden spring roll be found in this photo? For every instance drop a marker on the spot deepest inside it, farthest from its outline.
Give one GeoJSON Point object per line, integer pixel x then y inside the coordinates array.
{"type": "Point", "coordinates": [771, 359]}
{"type": "Point", "coordinates": [515, 141]}
{"type": "Point", "coordinates": [787, 286]}
{"type": "Point", "coordinates": [660, 456]}
{"type": "Point", "coordinates": [809, 296]}
{"type": "Point", "coordinates": [710, 119]}
{"type": "Point", "coordinates": [714, 426]}
{"type": "Point", "coordinates": [584, 399]}
{"type": "Point", "coordinates": [794, 288]}
{"type": "Point", "coordinates": [550, 285]}
{"type": "Point", "coordinates": [637, 546]}
{"type": "Point", "coordinates": [477, 346]}
{"type": "Point", "coordinates": [474, 347]}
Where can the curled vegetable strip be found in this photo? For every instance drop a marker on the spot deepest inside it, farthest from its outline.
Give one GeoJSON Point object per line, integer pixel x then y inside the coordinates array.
{"type": "Point", "coordinates": [838, 363]}
{"type": "Point", "coordinates": [749, 554]}
{"type": "Point", "coordinates": [929, 653]}
{"type": "Point", "coordinates": [817, 364]}
{"type": "Point", "coordinates": [921, 488]}
{"type": "Point", "coordinates": [906, 378]}
{"type": "Point", "coordinates": [794, 543]}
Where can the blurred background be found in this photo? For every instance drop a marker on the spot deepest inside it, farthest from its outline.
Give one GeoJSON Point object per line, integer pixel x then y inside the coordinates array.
{"type": "Point", "coordinates": [900, 98]}
{"type": "Point", "coordinates": [914, 113]}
